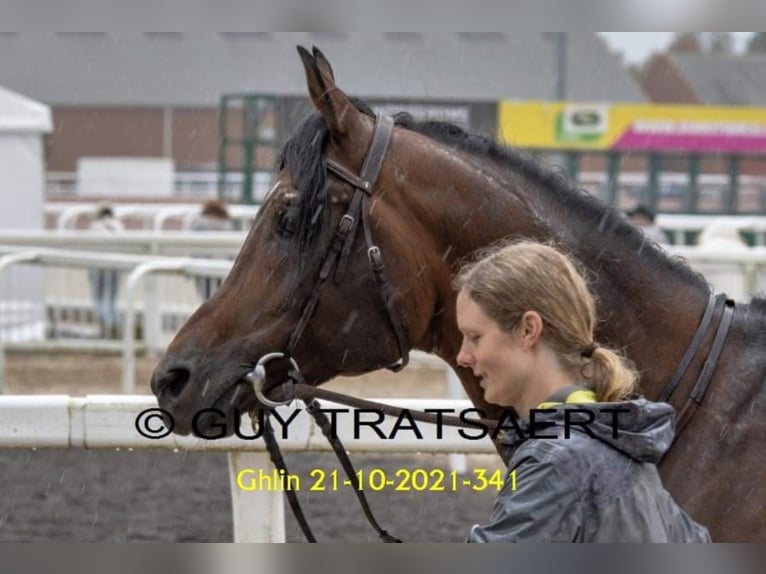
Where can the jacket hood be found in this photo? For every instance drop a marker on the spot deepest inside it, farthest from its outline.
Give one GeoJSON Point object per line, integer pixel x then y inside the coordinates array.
{"type": "Point", "coordinates": [641, 429]}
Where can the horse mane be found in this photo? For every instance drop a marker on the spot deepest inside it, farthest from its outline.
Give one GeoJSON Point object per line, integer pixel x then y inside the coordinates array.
{"type": "Point", "coordinates": [302, 155]}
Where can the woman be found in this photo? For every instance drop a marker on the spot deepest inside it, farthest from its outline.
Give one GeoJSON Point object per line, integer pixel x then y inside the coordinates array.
{"type": "Point", "coordinates": [527, 319]}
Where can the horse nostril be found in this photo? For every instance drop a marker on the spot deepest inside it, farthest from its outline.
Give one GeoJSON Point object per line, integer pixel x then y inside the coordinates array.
{"type": "Point", "coordinates": [172, 381]}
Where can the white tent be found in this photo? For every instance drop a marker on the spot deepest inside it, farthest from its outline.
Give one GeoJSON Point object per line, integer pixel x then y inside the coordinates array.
{"type": "Point", "coordinates": [23, 124]}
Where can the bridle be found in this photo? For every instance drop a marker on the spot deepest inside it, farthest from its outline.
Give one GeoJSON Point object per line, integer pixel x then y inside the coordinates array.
{"type": "Point", "coordinates": [338, 252]}
{"type": "Point", "coordinates": [700, 387]}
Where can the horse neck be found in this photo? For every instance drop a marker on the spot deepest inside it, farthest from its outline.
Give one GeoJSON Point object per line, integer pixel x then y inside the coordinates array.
{"type": "Point", "coordinates": [646, 305]}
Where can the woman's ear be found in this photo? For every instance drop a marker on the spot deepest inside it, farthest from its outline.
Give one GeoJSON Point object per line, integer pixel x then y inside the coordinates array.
{"type": "Point", "coordinates": [531, 328]}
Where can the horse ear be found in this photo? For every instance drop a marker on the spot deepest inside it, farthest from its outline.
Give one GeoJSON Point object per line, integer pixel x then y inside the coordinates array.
{"type": "Point", "coordinates": [323, 63]}
{"type": "Point", "coordinates": [336, 108]}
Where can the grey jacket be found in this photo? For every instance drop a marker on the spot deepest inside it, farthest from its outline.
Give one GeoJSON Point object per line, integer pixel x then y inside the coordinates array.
{"type": "Point", "coordinates": [590, 489]}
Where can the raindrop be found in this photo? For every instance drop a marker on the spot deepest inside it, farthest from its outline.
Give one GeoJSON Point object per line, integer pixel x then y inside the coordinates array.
{"type": "Point", "coordinates": [317, 213]}
{"type": "Point", "coordinates": [447, 252]}
{"type": "Point", "coordinates": [602, 222]}
{"type": "Point", "coordinates": [235, 395]}
{"type": "Point", "coordinates": [352, 316]}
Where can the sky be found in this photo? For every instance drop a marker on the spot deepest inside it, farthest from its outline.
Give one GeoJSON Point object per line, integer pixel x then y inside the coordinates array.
{"type": "Point", "coordinates": [636, 46]}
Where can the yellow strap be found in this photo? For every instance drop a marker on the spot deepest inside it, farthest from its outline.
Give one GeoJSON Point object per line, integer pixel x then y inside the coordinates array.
{"type": "Point", "coordinates": [577, 397]}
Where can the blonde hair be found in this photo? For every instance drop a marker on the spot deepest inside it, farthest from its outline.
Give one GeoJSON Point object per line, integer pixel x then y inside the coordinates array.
{"type": "Point", "coordinates": [513, 278]}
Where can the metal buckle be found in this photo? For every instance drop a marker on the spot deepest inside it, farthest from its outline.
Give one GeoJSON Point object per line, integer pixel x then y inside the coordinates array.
{"type": "Point", "coordinates": [257, 377]}
{"type": "Point", "coordinates": [373, 253]}
{"type": "Point", "coordinates": [346, 222]}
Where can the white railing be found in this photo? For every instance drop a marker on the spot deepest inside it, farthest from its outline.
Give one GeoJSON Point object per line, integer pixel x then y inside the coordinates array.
{"type": "Point", "coordinates": [677, 225]}
{"type": "Point", "coordinates": [186, 185]}
{"type": "Point", "coordinates": [154, 299]}
{"type": "Point", "coordinates": [172, 243]}
{"type": "Point", "coordinates": [109, 422]}
{"type": "Point", "coordinates": [152, 216]}
{"type": "Point", "coordinates": [155, 217]}
{"type": "Point", "coordinates": [740, 273]}
{"type": "Point", "coordinates": [137, 267]}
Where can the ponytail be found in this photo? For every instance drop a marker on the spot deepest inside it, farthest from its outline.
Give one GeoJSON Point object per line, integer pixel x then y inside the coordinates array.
{"type": "Point", "coordinates": [609, 375]}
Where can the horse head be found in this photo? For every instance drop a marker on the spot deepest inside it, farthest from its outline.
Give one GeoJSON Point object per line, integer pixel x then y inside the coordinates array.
{"type": "Point", "coordinates": [296, 257]}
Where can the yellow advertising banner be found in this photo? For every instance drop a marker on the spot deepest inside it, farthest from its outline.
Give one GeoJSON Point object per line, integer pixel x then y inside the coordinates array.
{"type": "Point", "coordinates": [631, 127]}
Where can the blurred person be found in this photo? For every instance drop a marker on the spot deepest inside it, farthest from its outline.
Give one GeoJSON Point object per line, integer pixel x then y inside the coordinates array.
{"type": "Point", "coordinates": [721, 233]}
{"type": "Point", "coordinates": [527, 318]}
{"type": "Point", "coordinates": [105, 283]}
{"type": "Point", "coordinates": [214, 216]}
{"type": "Point", "coordinates": [727, 275]}
{"type": "Point", "coordinates": [644, 218]}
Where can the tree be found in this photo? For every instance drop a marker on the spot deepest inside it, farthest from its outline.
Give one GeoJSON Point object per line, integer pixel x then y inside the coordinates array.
{"type": "Point", "coordinates": [686, 43]}
{"type": "Point", "coordinates": [757, 43]}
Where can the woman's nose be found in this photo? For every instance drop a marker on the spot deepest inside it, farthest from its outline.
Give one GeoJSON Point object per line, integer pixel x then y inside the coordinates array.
{"type": "Point", "coordinates": [464, 358]}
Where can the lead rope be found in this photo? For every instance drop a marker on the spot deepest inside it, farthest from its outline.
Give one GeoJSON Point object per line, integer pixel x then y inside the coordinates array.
{"type": "Point", "coordinates": [275, 454]}
{"type": "Point", "coordinates": [324, 423]}
{"type": "Point", "coordinates": [308, 395]}
{"type": "Point", "coordinates": [278, 461]}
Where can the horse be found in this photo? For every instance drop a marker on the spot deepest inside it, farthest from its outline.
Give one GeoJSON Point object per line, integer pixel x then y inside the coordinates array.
{"type": "Point", "coordinates": [440, 194]}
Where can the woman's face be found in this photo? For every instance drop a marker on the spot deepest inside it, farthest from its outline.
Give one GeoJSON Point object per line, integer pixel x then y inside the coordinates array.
{"type": "Point", "coordinates": [495, 356]}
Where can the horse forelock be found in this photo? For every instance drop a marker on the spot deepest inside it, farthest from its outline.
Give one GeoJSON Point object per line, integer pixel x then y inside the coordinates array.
{"type": "Point", "coordinates": [303, 158]}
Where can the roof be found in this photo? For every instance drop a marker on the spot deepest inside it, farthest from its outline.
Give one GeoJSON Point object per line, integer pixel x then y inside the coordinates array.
{"type": "Point", "coordinates": [196, 68]}
{"type": "Point", "coordinates": [724, 80]}
{"type": "Point", "coordinates": [20, 114]}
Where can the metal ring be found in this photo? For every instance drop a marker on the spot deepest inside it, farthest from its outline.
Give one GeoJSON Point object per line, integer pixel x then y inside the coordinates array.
{"type": "Point", "coordinates": [257, 377]}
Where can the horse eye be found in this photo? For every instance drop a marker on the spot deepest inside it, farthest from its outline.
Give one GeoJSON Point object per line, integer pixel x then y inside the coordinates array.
{"type": "Point", "coordinates": [287, 222]}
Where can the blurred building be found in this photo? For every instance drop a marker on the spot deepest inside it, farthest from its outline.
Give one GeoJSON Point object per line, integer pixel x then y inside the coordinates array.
{"type": "Point", "coordinates": [713, 80]}
{"type": "Point", "coordinates": [707, 79]}
{"type": "Point", "coordinates": [157, 94]}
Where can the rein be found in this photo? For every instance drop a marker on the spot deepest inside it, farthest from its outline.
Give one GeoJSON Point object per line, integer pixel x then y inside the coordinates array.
{"type": "Point", "coordinates": [309, 396]}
